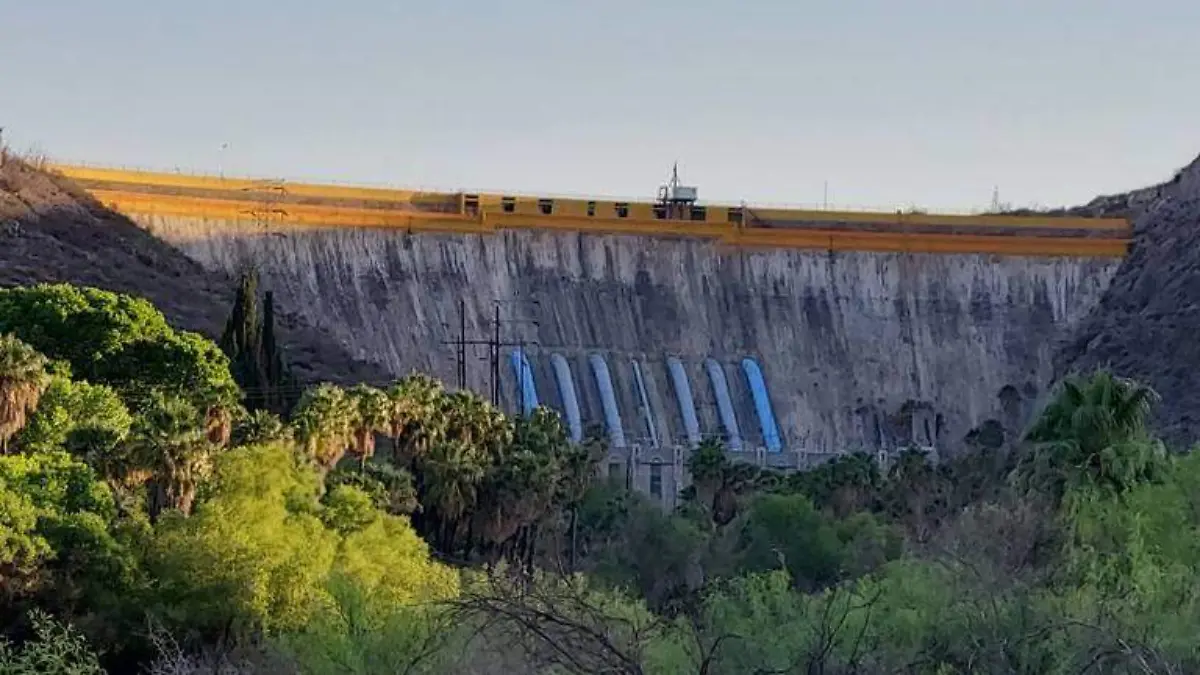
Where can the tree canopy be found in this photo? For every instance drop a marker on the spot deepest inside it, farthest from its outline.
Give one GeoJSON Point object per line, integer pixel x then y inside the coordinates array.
{"type": "Point", "coordinates": [148, 523]}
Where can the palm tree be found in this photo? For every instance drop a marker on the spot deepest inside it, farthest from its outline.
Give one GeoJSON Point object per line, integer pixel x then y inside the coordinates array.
{"type": "Point", "coordinates": [476, 422]}
{"type": "Point", "coordinates": [323, 421]}
{"type": "Point", "coordinates": [451, 471]}
{"type": "Point", "coordinates": [416, 417]}
{"type": "Point", "coordinates": [260, 426]}
{"type": "Point", "coordinates": [23, 378]}
{"type": "Point", "coordinates": [1094, 432]}
{"type": "Point", "coordinates": [171, 448]}
{"type": "Point", "coordinates": [522, 483]}
{"type": "Point", "coordinates": [371, 415]}
{"type": "Point", "coordinates": [218, 424]}
{"type": "Point", "coordinates": [718, 483]}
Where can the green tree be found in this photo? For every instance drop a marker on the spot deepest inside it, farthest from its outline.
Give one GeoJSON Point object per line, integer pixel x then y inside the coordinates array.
{"type": "Point", "coordinates": [257, 558]}
{"type": "Point", "coordinates": [1092, 434]}
{"type": "Point", "coordinates": [260, 427]}
{"type": "Point", "coordinates": [844, 484]}
{"type": "Point", "coordinates": [358, 635]}
{"type": "Point", "coordinates": [118, 340]}
{"type": "Point", "coordinates": [59, 541]}
{"type": "Point", "coordinates": [370, 416]}
{"type": "Point", "coordinates": [787, 532]}
{"type": "Point", "coordinates": [253, 556]}
{"type": "Point", "coordinates": [256, 361]}
{"type": "Point", "coordinates": [173, 451]}
{"type": "Point", "coordinates": [392, 490]}
{"type": "Point", "coordinates": [522, 483]}
{"type": "Point", "coordinates": [718, 484]}
{"type": "Point", "coordinates": [416, 417]}
{"type": "Point", "coordinates": [88, 420]}
{"type": "Point", "coordinates": [23, 378]}
{"type": "Point", "coordinates": [451, 474]}
{"type": "Point", "coordinates": [348, 509]}
{"type": "Point", "coordinates": [463, 437]}
{"type": "Point", "coordinates": [324, 424]}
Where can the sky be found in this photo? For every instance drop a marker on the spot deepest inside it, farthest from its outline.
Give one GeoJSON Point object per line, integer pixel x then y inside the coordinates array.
{"type": "Point", "coordinates": [863, 103]}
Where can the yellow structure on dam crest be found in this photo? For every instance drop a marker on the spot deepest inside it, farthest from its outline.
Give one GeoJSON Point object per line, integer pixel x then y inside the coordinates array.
{"type": "Point", "coordinates": [676, 213]}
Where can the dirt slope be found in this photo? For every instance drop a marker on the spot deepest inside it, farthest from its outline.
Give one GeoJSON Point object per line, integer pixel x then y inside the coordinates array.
{"type": "Point", "coordinates": [51, 231]}
{"type": "Point", "coordinates": [1147, 326]}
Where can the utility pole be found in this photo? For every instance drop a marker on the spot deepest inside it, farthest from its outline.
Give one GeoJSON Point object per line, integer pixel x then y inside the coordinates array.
{"type": "Point", "coordinates": [496, 357]}
{"type": "Point", "coordinates": [493, 342]}
{"type": "Point", "coordinates": [462, 343]}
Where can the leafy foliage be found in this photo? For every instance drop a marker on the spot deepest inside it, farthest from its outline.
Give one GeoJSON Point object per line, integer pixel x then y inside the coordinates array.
{"type": "Point", "coordinates": [256, 359]}
{"type": "Point", "coordinates": [114, 339]}
{"type": "Point", "coordinates": [1093, 434]}
{"type": "Point", "coordinates": [257, 555]}
{"type": "Point", "coordinates": [141, 494]}
{"type": "Point", "coordinates": [54, 650]}
{"type": "Point", "coordinates": [170, 446]}
{"type": "Point", "coordinates": [23, 378]}
{"type": "Point", "coordinates": [260, 427]}
{"type": "Point", "coordinates": [88, 420]}
{"type": "Point", "coordinates": [324, 423]}
{"type": "Point", "coordinates": [363, 636]}
{"type": "Point", "coordinates": [58, 542]}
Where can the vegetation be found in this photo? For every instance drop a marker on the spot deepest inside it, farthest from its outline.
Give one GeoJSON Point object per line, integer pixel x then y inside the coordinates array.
{"type": "Point", "coordinates": [256, 359]}
{"type": "Point", "coordinates": [155, 517]}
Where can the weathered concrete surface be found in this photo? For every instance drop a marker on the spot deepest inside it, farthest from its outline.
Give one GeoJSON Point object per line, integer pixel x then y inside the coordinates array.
{"type": "Point", "coordinates": [859, 350]}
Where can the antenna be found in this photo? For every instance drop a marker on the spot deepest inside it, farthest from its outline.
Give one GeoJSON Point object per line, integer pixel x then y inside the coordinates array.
{"type": "Point", "coordinates": [675, 199]}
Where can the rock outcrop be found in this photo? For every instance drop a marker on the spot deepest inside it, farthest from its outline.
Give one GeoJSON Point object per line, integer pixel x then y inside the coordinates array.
{"type": "Point", "coordinates": [1147, 325]}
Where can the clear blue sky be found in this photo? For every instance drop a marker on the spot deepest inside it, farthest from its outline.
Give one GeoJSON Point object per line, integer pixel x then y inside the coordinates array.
{"type": "Point", "coordinates": [890, 101]}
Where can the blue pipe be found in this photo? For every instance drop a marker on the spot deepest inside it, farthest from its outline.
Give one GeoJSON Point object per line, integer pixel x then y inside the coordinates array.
{"type": "Point", "coordinates": [566, 391]}
{"type": "Point", "coordinates": [762, 403]}
{"type": "Point", "coordinates": [526, 389]}
{"type": "Point", "coordinates": [649, 414]}
{"type": "Point", "coordinates": [612, 416]}
{"type": "Point", "coordinates": [724, 405]}
{"type": "Point", "coordinates": [687, 404]}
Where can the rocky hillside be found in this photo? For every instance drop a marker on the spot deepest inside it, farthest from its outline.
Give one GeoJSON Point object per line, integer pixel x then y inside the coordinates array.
{"type": "Point", "coordinates": [51, 231]}
{"type": "Point", "coordinates": [1147, 325]}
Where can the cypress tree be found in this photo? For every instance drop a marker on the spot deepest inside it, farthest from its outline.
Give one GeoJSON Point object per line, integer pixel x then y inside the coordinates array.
{"type": "Point", "coordinates": [256, 360]}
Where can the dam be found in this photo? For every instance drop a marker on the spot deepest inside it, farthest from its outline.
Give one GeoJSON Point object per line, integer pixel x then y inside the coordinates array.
{"type": "Point", "coordinates": [791, 335]}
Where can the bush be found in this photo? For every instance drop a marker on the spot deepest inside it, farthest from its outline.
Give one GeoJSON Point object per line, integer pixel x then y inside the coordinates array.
{"type": "Point", "coordinates": [55, 649]}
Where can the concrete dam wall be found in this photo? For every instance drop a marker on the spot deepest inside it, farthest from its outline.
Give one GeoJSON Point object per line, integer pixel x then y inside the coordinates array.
{"type": "Point", "coordinates": [790, 354]}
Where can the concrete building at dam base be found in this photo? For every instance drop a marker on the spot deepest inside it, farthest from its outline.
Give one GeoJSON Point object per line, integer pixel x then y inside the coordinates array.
{"type": "Point", "coordinates": [792, 335]}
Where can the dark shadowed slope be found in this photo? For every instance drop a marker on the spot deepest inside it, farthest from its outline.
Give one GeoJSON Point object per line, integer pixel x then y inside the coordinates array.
{"type": "Point", "coordinates": [1147, 326]}
{"type": "Point", "coordinates": [50, 231]}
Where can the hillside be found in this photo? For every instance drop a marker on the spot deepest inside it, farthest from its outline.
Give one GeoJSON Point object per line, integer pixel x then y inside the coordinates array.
{"type": "Point", "coordinates": [1147, 324]}
{"type": "Point", "coordinates": [50, 231]}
